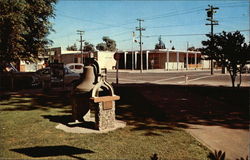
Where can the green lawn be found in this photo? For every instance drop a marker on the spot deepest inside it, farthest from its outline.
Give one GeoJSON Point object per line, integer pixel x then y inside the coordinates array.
{"type": "Point", "coordinates": [28, 131]}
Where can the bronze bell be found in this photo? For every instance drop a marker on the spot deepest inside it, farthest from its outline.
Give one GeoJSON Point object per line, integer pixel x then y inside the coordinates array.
{"type": "Point", "coordinates": [81, 95]}
{"type": "Point", "coordinates": [88, 80]}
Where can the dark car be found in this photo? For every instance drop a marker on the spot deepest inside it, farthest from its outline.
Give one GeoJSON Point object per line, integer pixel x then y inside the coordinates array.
{"type": "Point", "coordinates": [70, 78]}
{"type": "Point", "coordinates": [11, 78]}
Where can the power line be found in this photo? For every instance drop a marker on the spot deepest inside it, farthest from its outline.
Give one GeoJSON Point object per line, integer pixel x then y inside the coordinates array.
{"type": "Point", "coordinates": [90, 21]}
{"type": "Point", "coordinates": [120, 33]}
{"type": "Point", "coordinates": [80, 19]}
{"type": "Point", "coordinates": [175, 35]}
{"type": "Point", "coordinates": [124, 40]}
{"type": "Point", "coordinates": [190, 34]}
{"type": "Point", "coordinates": [173, 14]}
{"type": "Point", "coordinates": [167, 26]}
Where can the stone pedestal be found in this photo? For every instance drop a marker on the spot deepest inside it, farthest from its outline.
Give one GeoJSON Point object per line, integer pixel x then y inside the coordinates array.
{"type": "Point", "coordinates": [105, 112]}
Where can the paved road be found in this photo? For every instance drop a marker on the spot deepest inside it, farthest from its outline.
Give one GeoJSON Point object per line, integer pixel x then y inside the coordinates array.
{"type": "Point", "coordinates": [172, 77]}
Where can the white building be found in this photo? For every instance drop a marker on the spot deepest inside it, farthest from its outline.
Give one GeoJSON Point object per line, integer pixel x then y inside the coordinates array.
{"type": "Point", "coordinates": [162, 59]}
{"type": "Point", "coordinates": [105, 59]}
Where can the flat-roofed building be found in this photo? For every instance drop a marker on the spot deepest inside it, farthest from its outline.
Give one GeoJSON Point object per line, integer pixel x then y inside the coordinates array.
{"type": "Point", "coordinates": [162, 59]}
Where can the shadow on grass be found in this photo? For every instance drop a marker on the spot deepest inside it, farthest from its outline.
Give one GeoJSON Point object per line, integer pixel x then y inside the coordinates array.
{"type": "Point", "coordinates": [67, 120]}
{"type": "Point", "coordinates": [153, 107]}
{"type": "Point", "coordinates": [149, 106]}
{"type": "Point", "coordinates": [139, 113]}
{"type": "Point", "coordinates": [51, 151]}
{"type": "Point", "coordinates": [63, 119]}
{"type": "Point", "coordinates": [38, 100]}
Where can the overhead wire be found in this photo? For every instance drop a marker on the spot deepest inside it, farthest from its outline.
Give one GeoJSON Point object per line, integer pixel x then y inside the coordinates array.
{"type": "Point", "coordinates": [169, 14]}
{"type": "Point", "coordinates": [191, 34]}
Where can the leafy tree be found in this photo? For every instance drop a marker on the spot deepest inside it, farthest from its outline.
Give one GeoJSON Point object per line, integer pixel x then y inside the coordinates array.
{"type": "Point", "coordinates": [229, 50]}
{"type": "Point", "coordinates": [72, 48]}
{"type": "Point", "coordinates": [109, 45]}
{"type": "Point", "coordinates": [24, 26]}
{"type": "Point", "coordinates": [160, 45]}
{"type": "Point", "coordinates": [88, 47]}
{"type": "Point", "coordinates": [101, 47]}
{"type": "Point", "coordinates": [193, 49]}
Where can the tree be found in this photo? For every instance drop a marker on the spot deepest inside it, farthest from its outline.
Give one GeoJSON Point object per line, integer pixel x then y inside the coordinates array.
{"type": "Point", "coordinates": [229, 50]}
{"type": "Point", "coordinates": [24, 26]}
{"type": "Point", "coordinates": [72, 47]}
{"type": "Point", "coordinates": [193, 49]}
{"type": "Point", "coordinates": [109, 45]}
{"type": "Point", "coordinates": [160, 45]}
{"type": "Point", "coordinates": [88, 47]}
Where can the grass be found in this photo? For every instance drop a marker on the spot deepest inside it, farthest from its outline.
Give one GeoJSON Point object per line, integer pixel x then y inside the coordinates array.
{"type": "Point", "coordinates": [28, 131]}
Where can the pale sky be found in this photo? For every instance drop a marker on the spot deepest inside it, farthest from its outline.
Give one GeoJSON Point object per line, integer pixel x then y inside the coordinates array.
{"type": "Point", "coordinates": [180, 22]}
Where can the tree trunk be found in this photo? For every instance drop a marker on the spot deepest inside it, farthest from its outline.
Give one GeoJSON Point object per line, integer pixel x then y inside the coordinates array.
{"type": "Point", "coordinates": [233, 76]}
{"type": "Point", "coordinates": [233, 80]}
{"type": "Point", "coordinates": [240, 80]}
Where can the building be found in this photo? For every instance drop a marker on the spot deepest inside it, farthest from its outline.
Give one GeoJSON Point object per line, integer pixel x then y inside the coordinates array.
{"type": "Point", "coordinates": [105, 59]}
{"type": "Point", "coordinates": [50, 55]}
{"type": "Point", "coordinates": [162, 59]}
{"type": "Point", "coordinates": [151, 59]}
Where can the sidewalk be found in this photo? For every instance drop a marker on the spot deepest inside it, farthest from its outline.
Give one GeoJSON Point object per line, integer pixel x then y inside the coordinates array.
{"type": "Point", "coordinates": [235, 142]}
{"type": "Point", "coordinates": [158, 70]}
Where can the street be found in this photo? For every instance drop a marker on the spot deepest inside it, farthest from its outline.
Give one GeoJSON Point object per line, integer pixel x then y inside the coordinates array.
{"type": "Point", "coordinates": [199, 77]}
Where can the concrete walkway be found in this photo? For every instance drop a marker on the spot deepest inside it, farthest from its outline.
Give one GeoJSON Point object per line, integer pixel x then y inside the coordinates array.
{"type": "Point", "coordinates": [235, 142]}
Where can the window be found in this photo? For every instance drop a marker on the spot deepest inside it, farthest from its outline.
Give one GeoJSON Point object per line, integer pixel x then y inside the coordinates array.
{"type": "Point", "coordinates": [75, 60]}
{"type": "Point", "coordinates": [78, 67]}
{"type": "Point", "coordinates": [71, 67]}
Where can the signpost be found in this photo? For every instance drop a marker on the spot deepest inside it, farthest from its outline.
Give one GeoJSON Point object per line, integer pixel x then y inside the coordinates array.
{"type": "Point", "coordinates": [57, 73]}
{"type": "Point", "coordinates": [117, 58]}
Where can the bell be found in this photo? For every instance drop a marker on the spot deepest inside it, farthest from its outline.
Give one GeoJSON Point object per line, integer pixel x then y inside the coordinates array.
{"type": "Point", "coordinates": [88, 80]}
{"type": "Point", "coordinates": [81, 95]}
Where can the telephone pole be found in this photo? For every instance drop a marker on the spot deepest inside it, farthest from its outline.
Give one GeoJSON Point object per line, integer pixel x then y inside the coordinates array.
{"type": "Point", "coordinates": [210, 14]}
{"type": "Point", "coordinates": [140, 29]}
{"type": "Point", "coordinates": [133, 41]}
{"type": "Point", "coordinates": [81, 33]}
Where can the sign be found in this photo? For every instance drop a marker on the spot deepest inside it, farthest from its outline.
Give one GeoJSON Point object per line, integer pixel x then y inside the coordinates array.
{"type": "Point", "coordinates": [56, 72]}
{"type": "Point", "coordinates": [116, 56]}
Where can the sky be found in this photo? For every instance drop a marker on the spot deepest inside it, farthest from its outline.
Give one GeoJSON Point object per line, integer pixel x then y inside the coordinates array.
{"type": "Point", "coordinates": [179, 23]}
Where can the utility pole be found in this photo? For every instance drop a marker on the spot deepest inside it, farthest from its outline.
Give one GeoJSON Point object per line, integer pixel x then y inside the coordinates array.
{"type": "Point", "coordinates": [210, 14]}
{"type": "Point", "coordinates": [132, 54]}
{"type": "Point", "coordinates": [140, 29]}
{"type": "Point", "coordinates": [81, 33]}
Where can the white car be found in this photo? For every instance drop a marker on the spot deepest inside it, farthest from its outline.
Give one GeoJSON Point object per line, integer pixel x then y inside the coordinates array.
{"type": "Point", "coordinates": [246, 68]}
{"type": "Point", "coordinates": [75, 67]}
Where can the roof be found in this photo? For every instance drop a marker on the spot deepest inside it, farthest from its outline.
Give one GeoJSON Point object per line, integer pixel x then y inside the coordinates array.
{"type": "Point", "coordinates": [71, 52]}
{"type": "Point", "coordinates": [160, 50]}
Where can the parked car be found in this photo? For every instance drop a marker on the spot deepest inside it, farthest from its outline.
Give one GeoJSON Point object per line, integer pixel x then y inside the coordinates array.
{"type": "Point", "coordinates": [75, 67]}
{"type": "Point", "coordinates": [11, 78]}
{"type": "Point", "coordinates": [70, 78]}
